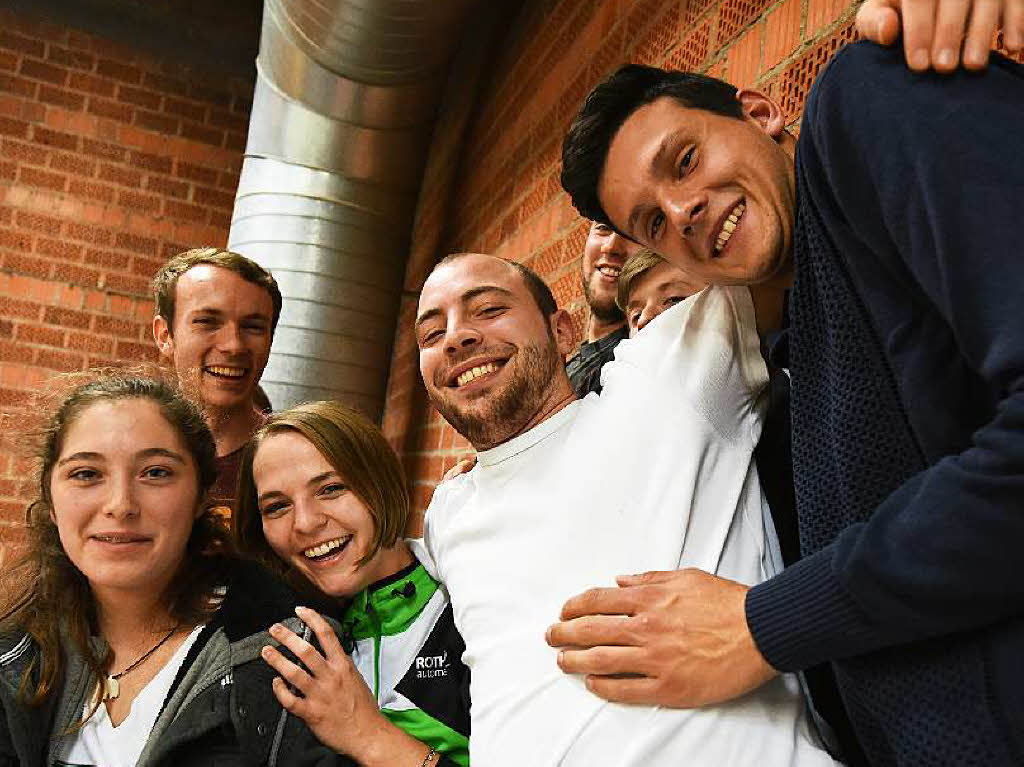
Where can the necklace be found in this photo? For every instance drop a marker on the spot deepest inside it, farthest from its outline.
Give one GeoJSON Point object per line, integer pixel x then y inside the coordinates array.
{"type": "Point", "coordinates": [111, 686]}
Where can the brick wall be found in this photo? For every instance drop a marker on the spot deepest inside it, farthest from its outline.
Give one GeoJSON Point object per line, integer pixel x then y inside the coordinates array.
{"type": "Point", "coordinates": [507, 199]}
{"type": "Point", "coordinates": [111, 160]}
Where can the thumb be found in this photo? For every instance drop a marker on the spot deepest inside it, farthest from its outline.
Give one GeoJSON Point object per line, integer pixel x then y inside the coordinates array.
{"type": "Point", "coordinates": [879, 21]}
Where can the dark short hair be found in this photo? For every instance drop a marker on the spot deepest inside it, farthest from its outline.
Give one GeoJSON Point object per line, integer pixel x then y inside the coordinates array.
{"type": "Point", "coordinates": [607, 107]}
{"type": "Point", "coordinates": [539, 289]}
{"type": "Point", "coordinates": [165, 283]}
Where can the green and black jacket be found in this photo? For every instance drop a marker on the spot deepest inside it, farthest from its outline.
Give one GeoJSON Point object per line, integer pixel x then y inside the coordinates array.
{"type": "Point", "coordinates": [402, 637]}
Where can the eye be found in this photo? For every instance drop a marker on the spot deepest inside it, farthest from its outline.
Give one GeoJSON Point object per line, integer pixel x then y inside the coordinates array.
{"type": "Point", "coordinates": [687, 160]}
{"type": "Point", "coordinates": [492, 310]}
{"type": "Point", "coordinates": [634, 319]}
{"type": "Point", "coordinates": [157, 472]}
{"type": "Point", "coordinates": [274, 509]}
{"type": "Point", "coordinates": [430, 336]}
{"type": "Point", "coordinates": [203, 321]}
{"type": "Point", "coordinates": [256, 328]}
{"type": "Point", "coordinates": [673, 300]}
{"type": "Point", "coordinates": [84, 475]}
{"type": "Point", "coordinates": [332, 490]}
{"type": "Point", "coordinates": [655, 225]}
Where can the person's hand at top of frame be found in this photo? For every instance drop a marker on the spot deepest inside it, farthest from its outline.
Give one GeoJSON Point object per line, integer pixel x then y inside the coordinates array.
{"type": "Point", "coordinates": [677, 639]}
{"type": "Point", "coordinates": [935, 32]}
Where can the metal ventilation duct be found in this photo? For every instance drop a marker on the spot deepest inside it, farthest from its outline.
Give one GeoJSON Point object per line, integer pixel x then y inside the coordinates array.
{"type": "Point", "coordinates": [345, 101]}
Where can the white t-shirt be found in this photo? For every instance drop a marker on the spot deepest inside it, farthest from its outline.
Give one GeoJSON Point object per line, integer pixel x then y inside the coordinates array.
{"type": "Point", "coordinates": [656, 473]}
{"type": "Point", "coordinates": [99, 742]}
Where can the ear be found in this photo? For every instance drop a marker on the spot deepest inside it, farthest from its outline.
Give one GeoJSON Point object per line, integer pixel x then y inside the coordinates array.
{"type": "Point", "coordinates": [163, 338]}
{"type": "Point", "coordinates": [562, 329]}
{"type": "Point", "coordinates": [762, 110]}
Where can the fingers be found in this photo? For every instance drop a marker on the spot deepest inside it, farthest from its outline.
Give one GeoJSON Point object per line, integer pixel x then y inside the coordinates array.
{"type": "Point", "coordinates": [293, 674]}
{"type": "Point", "coordinates": [646, 579]}
{"type": "Point", "coordinates": [604, 661]}
{"type": "Point", "coordinates": [592, 630]}
{"type": "Point", "coordinates": [980, 31]}
{"type": "Point", "coordinates": [918, 29]}
{"type": "Point", "coordinates": [635, 690]}
{"type": "Point", "coordinates": [879, 21]}
{"type": "Point", "coordinates": [950, 23]}
{"type": "Point", "coordinates": [324, 633]}
{"type": "Point", "coordinates": [611, 601]}
{"type": "Point", "coordinates": [1013, 25]}
{"type": "Point", "coordinates": [302, 649]}
{"type": "Point", "coordinates": [291, 702]}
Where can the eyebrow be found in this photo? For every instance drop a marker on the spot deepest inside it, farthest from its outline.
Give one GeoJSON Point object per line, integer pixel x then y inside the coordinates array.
{"type": "Point", "coordinates": [149, 452]}
{"type": "Point", "coordinates": [218, 313]}
{"type": "Point", "coordinates": [656, 160]}
{"type": "Point", "coordinates": [469, 295]}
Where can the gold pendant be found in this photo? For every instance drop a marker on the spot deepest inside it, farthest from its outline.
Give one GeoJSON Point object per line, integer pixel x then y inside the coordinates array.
{"type": "Point", "coordinates": [111, 688]}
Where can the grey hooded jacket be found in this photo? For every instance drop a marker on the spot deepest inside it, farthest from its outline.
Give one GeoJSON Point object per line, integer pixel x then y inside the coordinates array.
{"type": "Point", "coordinates": [220, 711]}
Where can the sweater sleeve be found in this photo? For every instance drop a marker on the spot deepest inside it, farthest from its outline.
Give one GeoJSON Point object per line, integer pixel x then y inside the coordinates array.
{"type": "Point", "coordinates": [927, 172]}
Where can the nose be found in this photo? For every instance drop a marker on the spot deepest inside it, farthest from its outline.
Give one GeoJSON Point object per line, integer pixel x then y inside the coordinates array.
{"type": "Point", "coordinates": [460, 336]}
{"type": "Point", "coordinates": [308, 518]}
{"type": "Point", "coordinates": [649, 313]}
{"type": "Point", "coordinates": [120, 502]}
{"type": "Point", "coordinates": [229, 340]}
{"type": "Point", "coordinates": [613, 243]}
{"type": "Point", "coordinates": [685, 211]}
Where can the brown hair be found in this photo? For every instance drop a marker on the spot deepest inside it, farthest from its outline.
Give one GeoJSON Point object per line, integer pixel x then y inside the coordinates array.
{"type": "Point", "coordinates": [640, 262]}
{"type": "Point", "coordinates": [44, 584]}
{"type": "Point", "coordinates": [165, 283]}
{"type": "Point", "coordinates": [355, 448]}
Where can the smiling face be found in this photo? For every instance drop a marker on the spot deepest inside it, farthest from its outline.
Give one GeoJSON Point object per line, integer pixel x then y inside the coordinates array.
{"type": "Point", "coordinates": [712, 194]}
{"type": "Point", "coordinates": [124, 495]}
{"type": "Point", "coordinates": [490, 360]}
{"type": "Point", "coordinates": [603, 256]}
{"type": "Point", "coordinates": [221, 335]}
{"type": "Point", "coordinates": [660, 287]}
{"type": "Point", "coordinates": [314, 522]}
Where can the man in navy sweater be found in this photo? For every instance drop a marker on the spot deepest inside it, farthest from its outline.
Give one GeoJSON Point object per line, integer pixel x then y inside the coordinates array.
{"type": "Point", "coordinates": [894, 219]}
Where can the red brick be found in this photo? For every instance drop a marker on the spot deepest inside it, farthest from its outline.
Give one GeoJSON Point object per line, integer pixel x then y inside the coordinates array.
{"type": "Point", "coordinates": [202, 133]}
{"type": "Point", "coordinates": [234, 141]}
{"type": "Point", "coordinates": [24, 264]}
{"type": "Point", "coordinates": [61, 98]}
{"type": "Point", "coordinates": [70, 163]}
{"type": "Point", "coordinates": [167, 187]}
{"type": "Point", "coordinates": [91, 190]}
{"type": "Point", "coordinates": [110, 109]}
{"type": "Point", "coordinates": [184, 211]}
{"type": "Point", "coordinates": [8, 171]}
{"type": "Point", "coordinates": [146, 267]}
{"type": "Point", "coordinates": [229, 181]}
{"type": "Point", "coordinates": [57, 139]}
{"type": "Point", "coordinates": [169, 250]}
{"type": "Point", "coordinates": [221, 119]}
{"type": "Point", "coordinates": [40, 334]}
{"type": "Point", "coordinates": [138, 201]}
{"type": "Point", "coordinates": [103, 151]}
{"type": "Point", "coordinates": [60, 360]}
{"type": "Point", "coordinates": [744, 59]}
{"type": "Point", "coordinates": [110, 326]}
{"type": "Point", "coordinates": [12, 351]}
{"type": "Point", "coordinates": [68, 58]}
{"type": "Point", "coordinates": [9, 127]}
{"type": "Point", "coordinates": [210, 96]}
{"type": "Point", "coordinates": [220, 218]}
{"type": "Point", "coordinates": [781, 33]}
{"type": "Point", "coordinates": [164, 84]}
{"type": "Point", "coordinates": [77, 275]}
{"type": "Point", "coordinates": [43, 179]}
{"type": "Point", "coordinates": [118, 71]}
{"type": "Point", "coordinates": [119, 175]}
{"type": "Point", "coordinates": [66, 318]}
{"type": "Point", "coordinates": [153, 162]}
{"type": "Point", "coordinates": [6, 328]}
{"type": "Point", "coordinates": [97, 86]}
{"type": "Point", "coordinates": [38, 223]}
{"type": "Point", "coordinates": [24, 153]}
{"type": "Point", "coordinates": [90, 234]}
{"type": "Point", "coordinates": [204, 196]}
{"type": "Point", "coordinates": [66, 251]}
{"type": "Point", "coordinates": [109, 259]}
{"type": "Point", "coordinates": [17, 86]}
{"type": "Point", "coordinates": [139, 97]}
{"type": "Point", "coordinates": [87, 342]}
{"type": "Point", "coordinates": [37, 70]}
{"type": "Point", "coordinates": [8, 61]}
{"type": "Point", "coordinates": [136, 243]}
{"type": "Point", "coordinates": [820, 13]}
{"type": "Point", "coordinates": [156, 122]}
{"type": "Point", "coordinates": [128, 350]}
{"type": "Point", "coordinates": [187, 109]}
{"type": "Point", "coordinates": [127, 283]}
{"type": "Point", "coordinates": [15, 42]}
{"type": "Point", "coordinates": [195, 173]}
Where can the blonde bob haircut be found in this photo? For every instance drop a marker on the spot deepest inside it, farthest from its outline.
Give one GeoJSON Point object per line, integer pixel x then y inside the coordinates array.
{"type": "Point", "coordinates": [640, 262]}
{"type": "Point", "coordinates": [354, 448]}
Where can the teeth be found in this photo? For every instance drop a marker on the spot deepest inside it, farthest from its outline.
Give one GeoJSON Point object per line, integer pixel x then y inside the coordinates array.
{"type": "Point", "coordinates": [729, 226]}
{"type": "Point", "coordinates": [609, 271]}
{"type": "Point", "coordinates": [476, 372]}
{"type": "Point", "coordinates": [324, 548]}
{"type": "Point", "coordinates": [227, 372]}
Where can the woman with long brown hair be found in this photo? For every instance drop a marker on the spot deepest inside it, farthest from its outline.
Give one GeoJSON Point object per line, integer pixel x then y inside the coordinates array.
{"type": "Point", "coordinates": [130, 634]}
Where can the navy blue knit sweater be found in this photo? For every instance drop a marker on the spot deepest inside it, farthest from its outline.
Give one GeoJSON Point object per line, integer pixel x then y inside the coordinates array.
{"type": "Point", "coordinates": [908, 410]}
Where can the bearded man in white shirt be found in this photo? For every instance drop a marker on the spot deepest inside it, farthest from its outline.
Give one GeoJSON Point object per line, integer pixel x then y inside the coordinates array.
{"type": "Point", "coordinates": [549, 509]}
